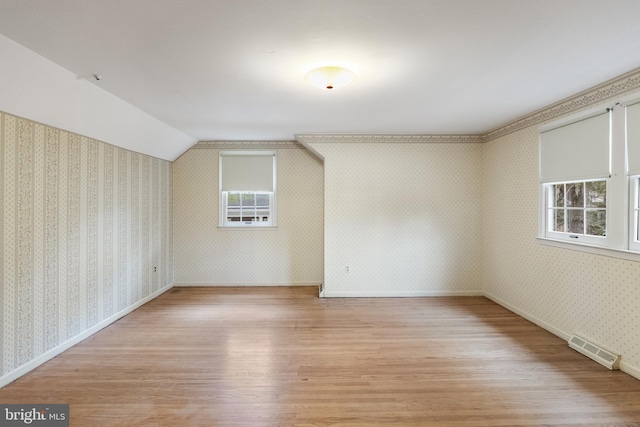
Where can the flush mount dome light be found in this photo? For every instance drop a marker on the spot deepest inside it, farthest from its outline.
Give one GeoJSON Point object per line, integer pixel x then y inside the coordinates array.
{"type": "Point", "coordinates": [328, 78]}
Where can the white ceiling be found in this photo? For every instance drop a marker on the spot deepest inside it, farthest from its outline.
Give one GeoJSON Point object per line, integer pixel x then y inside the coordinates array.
{"type": "Point", "coordinates": [233, 69]}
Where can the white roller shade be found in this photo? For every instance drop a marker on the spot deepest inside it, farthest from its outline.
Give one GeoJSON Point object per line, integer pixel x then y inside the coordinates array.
{"type": "Point", "coordinates": [633, 139]}
{"type": "Point", "coordinates": [246, 172]}
{"type": "Point", "coordinates": [577, 151]}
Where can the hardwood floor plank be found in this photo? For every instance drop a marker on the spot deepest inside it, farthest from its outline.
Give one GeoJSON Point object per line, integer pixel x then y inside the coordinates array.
{"type": "Point", "coordinates": [283, 357]}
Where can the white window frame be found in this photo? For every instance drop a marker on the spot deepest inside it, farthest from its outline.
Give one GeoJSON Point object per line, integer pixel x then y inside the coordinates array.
{"type": "Point", "coordinates": [572, 236]}
{"type": "Point", "coordinates": [634, 213]}
{"type": "Point", "coordinates": [223, 195]}
{"type": "Point", "coordinates": [622, 193]}
{"type": "Point", "coordinates": [259, 222]}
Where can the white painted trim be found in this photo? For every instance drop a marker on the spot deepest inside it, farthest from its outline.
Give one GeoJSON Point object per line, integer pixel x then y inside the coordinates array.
{"type": "Point", "coordinates": [330, 294]}
{"type": "Point", "coordinates": [630, 369]}
{"type": "Point", "coordinates": [34, 363]}
{"type": "Point", "coordinates": [247, 227]}
{"type": "Point", "coordinates": [598, 250]}
{"type": "Point", "coordinates": [627, 368]}
{"type": "Point", "coordinates": [544, 325]}
{"type": "Point", "coordinates": [242, 284]}
{"type": "Point", "coordinates": [8, 378]}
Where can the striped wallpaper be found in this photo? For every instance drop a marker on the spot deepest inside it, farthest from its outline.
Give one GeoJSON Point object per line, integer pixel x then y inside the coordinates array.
{"type": "Point", "coordinates": [83, 225]}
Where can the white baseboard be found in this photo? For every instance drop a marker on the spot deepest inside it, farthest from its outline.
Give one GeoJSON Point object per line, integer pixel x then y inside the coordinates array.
{"type": "Point", "coordinates": [634, 371]}
{"type": "Point", "coordinates": [50, 354]}
{"type": "Point", "coordinates": [629, 369]}
{"type": "Point", "coordinates": [544, 325]}
{"type": "Point", "coordinates": [331, 294]}
{"type": "Point", "coordinates": [625, 367]}
{"type": "Point", "coordinates": [241, 284]}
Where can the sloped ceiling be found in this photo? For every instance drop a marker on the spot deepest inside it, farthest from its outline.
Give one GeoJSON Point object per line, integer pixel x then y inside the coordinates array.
{"type": "Point", "coordinates": [233, 70]}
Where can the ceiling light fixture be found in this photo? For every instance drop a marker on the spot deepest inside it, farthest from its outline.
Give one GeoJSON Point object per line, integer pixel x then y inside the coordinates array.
{"type": "Point", "coordinates": [328, 78]}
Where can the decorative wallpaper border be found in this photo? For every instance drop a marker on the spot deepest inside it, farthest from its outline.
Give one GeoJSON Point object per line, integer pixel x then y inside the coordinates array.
{"type": "Point", "coordinates": [252, 145]}
{"type": "Point", "coordinates": [605, 91]}
{"type": "Point", "coordinates": [373, 138]}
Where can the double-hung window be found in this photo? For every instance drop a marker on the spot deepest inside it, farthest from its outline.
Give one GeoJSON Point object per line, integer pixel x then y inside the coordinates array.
{"type": "Point", "coordinates": [247, 188]}
{"type": "Point", "coordinates": [634, 237]}
{"type": "Point", "coordinates": [578, 208]}
{"type": "Point", "coordinates": [575, 169]}
{"type": "Point", "coordinates": [633, 172]}
{"type": "Point", "coordinates": [590, 180]}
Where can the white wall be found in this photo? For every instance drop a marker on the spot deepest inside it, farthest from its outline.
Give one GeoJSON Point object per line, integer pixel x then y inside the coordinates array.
{"type": "Point", "coordinates": [562, 290]}
{"type": "Point", "coordinates": [36, 88]}
{"type": "Point", "coordinates": [291, 254]}
{"type": "Point", "coordinates": [404, 217]}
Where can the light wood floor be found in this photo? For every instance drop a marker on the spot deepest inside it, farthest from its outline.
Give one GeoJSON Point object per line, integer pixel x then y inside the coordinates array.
{"type": "Point", "coordinates": [283, 357]}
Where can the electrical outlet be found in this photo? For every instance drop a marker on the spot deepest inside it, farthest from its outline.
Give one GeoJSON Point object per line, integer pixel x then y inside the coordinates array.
{"type": "Point", "coordinates": [346, 269]}
{"type": "Point", "coordinates": [155, 269]}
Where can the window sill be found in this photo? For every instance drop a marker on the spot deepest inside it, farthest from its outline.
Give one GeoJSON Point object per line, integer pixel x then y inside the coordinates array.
{"type": "Point", "coordinates": [598, 250]}
{"type": "Point", "coordinates": [248, 227]}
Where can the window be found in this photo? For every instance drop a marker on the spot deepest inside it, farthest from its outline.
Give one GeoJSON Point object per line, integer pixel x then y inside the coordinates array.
{"type": "Point", "coordinates": [633, 171]}
{"type": "Point", "coordinates": [577, 209]}
{"type": "Point", "coordinates": [247, 207]}
{"type": "Point", "coordinates": [575, 168]}
{"type": "Point", "coordinates": [247, 188]}
{"type": "Point", "coordinates": [634, 228]}
{"type": "Point", "coordinates": [590, 180]}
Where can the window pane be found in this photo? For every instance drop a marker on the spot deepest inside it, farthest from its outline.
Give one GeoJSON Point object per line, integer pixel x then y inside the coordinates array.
{"type": "Point", "coordinates": [597, 222]}
{"type": "Point", "coordinates": [262, 200]}
{"type": "Point", "coordinates": [558, 191]}
{"type": "Point", "coordinates": [248, 199]}
{"type": "Point", "coordinates": [233, 199]}
{"type": "Point", "coordinates": [575, 194]}
{"type": "Point", "coordinates": [558, 220]}
{"type": "Point", "coordinates": [596, 194]}
{"type": "Point", "coordinates": [575, 220]}
{"type": "Point", "coordinates": [637, 212]}
{"type": "Point", "coordinates": [233, 206]}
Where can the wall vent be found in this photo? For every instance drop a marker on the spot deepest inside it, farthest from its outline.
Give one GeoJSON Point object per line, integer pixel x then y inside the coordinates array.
{"type": "Point", "coordinates": [604, 357]}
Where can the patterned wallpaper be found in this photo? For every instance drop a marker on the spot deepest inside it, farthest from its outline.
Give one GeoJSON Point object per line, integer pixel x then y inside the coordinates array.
{"type": "Point", "coordinates": [289, 254]}
{"type": "Point", "coordinates": [572, 292]}
{"type": "Point", "coordinates": [404, 217]}
{"type": "Point", "coordinates": [82, 226]}
{"type": "Point", "coordinates": [84, 223]}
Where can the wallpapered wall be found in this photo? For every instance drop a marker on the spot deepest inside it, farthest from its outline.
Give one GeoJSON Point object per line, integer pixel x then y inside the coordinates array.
{"type": "Point", "coordinates": [563, 290]}
{"type": "Point", "coordinates": [404, 217]}
{"type": "Point", "coordinates": [289, 254]}
{"type": "Point", "coordinates": [82, 226]}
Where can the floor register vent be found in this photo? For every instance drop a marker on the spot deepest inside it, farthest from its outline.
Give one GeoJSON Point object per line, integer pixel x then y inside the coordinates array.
{"type": "Point", "coordinates": [597, 353]}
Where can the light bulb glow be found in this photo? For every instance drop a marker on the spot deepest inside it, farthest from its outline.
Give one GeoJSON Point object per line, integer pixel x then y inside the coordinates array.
{"type": "Point", "coordinates": [329, 78]}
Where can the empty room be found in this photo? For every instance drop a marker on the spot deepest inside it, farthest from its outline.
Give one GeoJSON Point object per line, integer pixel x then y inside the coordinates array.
{"type": "Point", "coordinates": [320, 213]}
